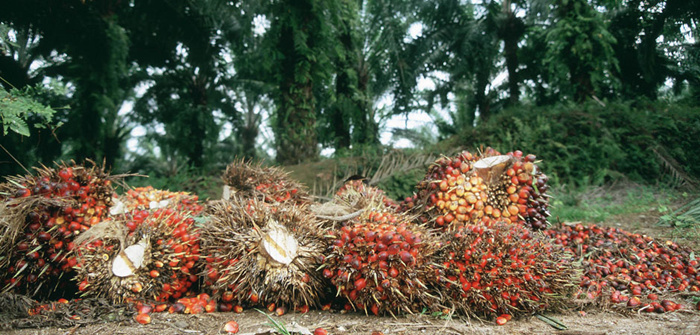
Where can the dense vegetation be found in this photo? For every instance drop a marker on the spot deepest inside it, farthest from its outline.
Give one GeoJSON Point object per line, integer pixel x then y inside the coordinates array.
{"type": "Point", "coordinates": [599, 89]}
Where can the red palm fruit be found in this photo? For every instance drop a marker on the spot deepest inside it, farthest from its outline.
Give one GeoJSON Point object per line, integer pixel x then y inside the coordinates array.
{"type": "Point", "coordinates": [143, 318]}
{"type": "Point", "coordinates": [231, 327]}
{"type": "Point", "coordinates": [501, 321]}
{"type": "Point", "coordinates": [320, 331]}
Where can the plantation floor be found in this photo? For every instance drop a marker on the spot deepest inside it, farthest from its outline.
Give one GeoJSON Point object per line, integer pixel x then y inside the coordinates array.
{"type": "Point", "coordinates": [251, 322]}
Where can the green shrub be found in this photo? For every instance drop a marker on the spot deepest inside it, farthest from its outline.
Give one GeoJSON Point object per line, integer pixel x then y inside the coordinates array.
{"type": "Point", "coordinates": [591, 144]}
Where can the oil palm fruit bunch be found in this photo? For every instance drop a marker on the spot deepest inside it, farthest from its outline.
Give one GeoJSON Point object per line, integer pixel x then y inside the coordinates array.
{"type": "Point", "coordinates": [627, 269]}
{"type": "Point", "coordinates": [270, 184]}
{"type": "Point", "coordinates": [140, 198]}
{"type": "Point", "coordinates": [380, 262]}
{"type": "Point", "coordinates": [42, 215]}
{"type": "Point", "coordinates": [503, 269]}
{"type": "Point", "coordinates": [262, 254]}
{"type": "Point", "coordinates": [139, 256]}
{"type": "Point", "coordinates": [480, 189]}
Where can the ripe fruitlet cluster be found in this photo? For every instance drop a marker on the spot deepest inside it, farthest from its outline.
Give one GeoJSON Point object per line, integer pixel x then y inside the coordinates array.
{"type": "Point", "coordinates": [629, 269]}
{"type": "Point", "coordinates": [257, 253]}
{"type": "Point", "coordinates": [358, 195]}
{"type": "Point", "coordinates": [270, 184]}
{"type": "Point", "coordinates": [141, 198]}
{"type": "Point", "coordinates": [481, 189]}
{"type": "Point", "coordinates": [140, 256]}
{"type": "Point", "coordinates": [43, 214]}
{"type": "Point", "coordinates": [379, 262]}
{"type": "Point", "coordinates": [503, 269]}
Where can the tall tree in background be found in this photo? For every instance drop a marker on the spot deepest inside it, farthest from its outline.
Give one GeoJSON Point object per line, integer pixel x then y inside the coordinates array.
{"type": "Point", "coordinates": [300, 31]}
{"type": "Point", "coordinates": [188, 84]}
{"type": "Point", "coordinates": [580, 48]}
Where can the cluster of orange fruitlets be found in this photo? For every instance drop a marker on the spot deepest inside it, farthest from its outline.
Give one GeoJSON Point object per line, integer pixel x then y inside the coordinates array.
{"type": "Point", "coordinates": [54, 206]}
{"type": "Point", "coordinates": [481, 189]}
{"type": "Point", "coordinates": [503, 269]}
{"type": "Point", "coordinates": [168, 266]}
{"type": "Point", "coordinates": [202, 303]}
{"type": "Point", "coordinates": [270, 184]}
{"type": "Point", "coordinates": [379, 262]}
{"type": "Point", "coordinates": [629, 269]}
{"type": "Point", "coordinates": [141, 198]}
{"type": "Point", "coordinates": [357, 194]}
{"type": "Point", "coordinates": [262, 254]}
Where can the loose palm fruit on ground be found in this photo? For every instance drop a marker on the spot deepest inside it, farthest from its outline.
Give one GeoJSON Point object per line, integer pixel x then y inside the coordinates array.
{"type": "Point", "coordinates": [379, 263]}
{"type": "Point", "coordinates": [620, 265]}
{"type": "Point", "coordinates": [503, 269]}
{"type": "Point", "coordinates": [140, 256]}
{"type": "Point", "coordinates": [270, 184]}
{"type": "Point", "coordinates": [41, 215]}
{"type": "Point", "coordinates": [481, 189]}
{"type": "Point", "coordinates": [262, 254]}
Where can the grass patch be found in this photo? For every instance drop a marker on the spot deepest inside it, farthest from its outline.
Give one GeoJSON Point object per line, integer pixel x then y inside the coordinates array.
{"type": "Point", "coordinates": [600, 203]}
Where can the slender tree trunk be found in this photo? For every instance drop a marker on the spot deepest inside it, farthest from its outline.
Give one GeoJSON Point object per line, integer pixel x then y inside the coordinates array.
{"type": "Point", "coordinates": [296, 114]}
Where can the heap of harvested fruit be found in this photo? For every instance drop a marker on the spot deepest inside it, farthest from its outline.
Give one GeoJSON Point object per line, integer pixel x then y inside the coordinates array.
{"type": "Point", "coordinates": [41, 216]}
{"type": "Point", "coordinates": [470, 189]}
{"type": "Point", "coordinates": [379, 262]}
{"type": "Point", "coordinates": [141, 198]}
{"type": "Point", "coordinates": [139, 256]}
{"type": "Point", "coordinates": [243, 178]}
{"type": "Point", "coordinates": [257, 253]}
{"type": "Point", "coordinates": [503, 269]}
{"type": "Point", "coordinates": [627, 269]}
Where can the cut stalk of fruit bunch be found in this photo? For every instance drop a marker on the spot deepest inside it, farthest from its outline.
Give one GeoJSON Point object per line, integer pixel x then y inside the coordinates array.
{"type": "Point", "coordinates": [148, 198]}
{"type": "Point", "coordinates": [350, 201]}
{"type": "Point", "coordinates": [140, 256]}
{"type": "Point", "coordinates": [379, 263]}
{"type": "Point", "coordinates": [262, 254]}
{"type": "Point", "coordinates": [481, 189]}
{"type": "Point", "coordinates": [42, 214]}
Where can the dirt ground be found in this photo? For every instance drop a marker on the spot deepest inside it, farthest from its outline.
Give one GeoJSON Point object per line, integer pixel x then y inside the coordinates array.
{"type": "Point", "coordinates": [252, 322]}
{"type": "Point", "coordinates": [591, 321]}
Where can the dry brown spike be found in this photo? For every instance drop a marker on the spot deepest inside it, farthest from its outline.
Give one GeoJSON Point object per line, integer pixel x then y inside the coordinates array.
{"type": "Point", "coordinates": [258, 253]}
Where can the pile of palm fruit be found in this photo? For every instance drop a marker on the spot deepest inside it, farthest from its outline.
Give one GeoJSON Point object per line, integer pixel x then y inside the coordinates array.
{"type": "Point", "coordinates": [474, 239]}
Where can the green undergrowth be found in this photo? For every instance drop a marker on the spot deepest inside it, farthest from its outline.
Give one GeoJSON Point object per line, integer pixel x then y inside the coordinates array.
{"type": "Point", "coordinates": [596, 204]}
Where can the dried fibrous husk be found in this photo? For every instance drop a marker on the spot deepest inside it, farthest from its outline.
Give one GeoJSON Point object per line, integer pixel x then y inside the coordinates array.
{"type": "Point", "coordinates": [270, 184]}
{"type": "Point", "coordinates": [350, 201]}
{"type": "Point", "coordinates": [258, 253]}
{"type": "Point", "coordinates": [140, 256]}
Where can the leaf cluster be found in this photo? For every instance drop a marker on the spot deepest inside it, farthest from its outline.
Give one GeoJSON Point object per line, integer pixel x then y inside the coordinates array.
{"type": "Point", "coordinates": [19, 110]}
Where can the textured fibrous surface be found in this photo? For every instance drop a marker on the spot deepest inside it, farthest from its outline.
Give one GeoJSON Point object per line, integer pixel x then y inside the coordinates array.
{"type": "Point", "coordinates": [503, 269]}
{"type": "Point", "coordinates": [270, 184]}
{"type": "Point", "coordinates": [149, 198]}
{"type": "Point", "coordinates": [41, 215]}
{"type": "Point", "coordinates": [481, 189]}
{"type": "Point", "coordinates": [258, 253]}
{"type": "Point", "coordinates": [162, 247]}
{"type": "Point", "coordinates": [379, 263]}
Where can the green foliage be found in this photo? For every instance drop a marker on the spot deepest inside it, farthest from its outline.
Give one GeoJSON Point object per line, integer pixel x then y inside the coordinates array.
{"type": "Point", "coordinates": [594, 144]}
{"type": "Point", "coordinates": [19, 110]}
